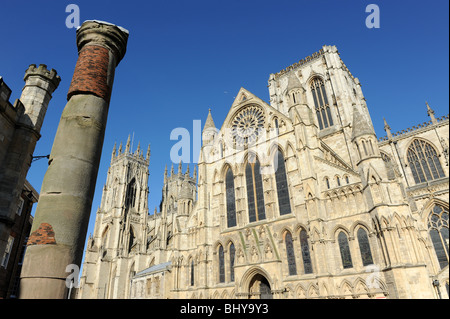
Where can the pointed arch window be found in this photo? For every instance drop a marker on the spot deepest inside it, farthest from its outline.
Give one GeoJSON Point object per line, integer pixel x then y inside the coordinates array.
{"type": "Point", "coordinates": [290, 254]}
{"type": "Point", "coordinates": [282, 184]}
{"type": "Point", "coordinates": [321, 104]}
{"type": "Point", "coordinates": [232, 256]}
{"type": "Point", "coordinates": [221, 264]}
{"type": "Point", "coordinates": [255, 193]}
{"type": "Point", "coordinates": [230, 199]}
{"type": "Point", "coordinates": [277, 127]}
{"type": "Point", "coordinates": [345, 250]}
{"type": "Point", "coordinates": [192, 272]}
{"type": "Point", "coordinates": [424, 162]}
{"type": "Point", "coordinates": [130, 197]}
{"type": "Point", "coordinates": [306, 256]}
{"type": "Point", "coordinates": [132, 240]}
{"type": "Point", "coordinates": [438, 230]}
{"type": "Point", "coordinates": [364, 247]}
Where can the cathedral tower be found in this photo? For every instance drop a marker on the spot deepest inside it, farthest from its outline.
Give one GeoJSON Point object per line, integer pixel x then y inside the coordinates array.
{"type": "Point", "coordinates": [120, 226]}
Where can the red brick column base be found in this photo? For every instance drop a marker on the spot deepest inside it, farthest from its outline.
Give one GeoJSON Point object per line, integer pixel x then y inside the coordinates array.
{"type": "Point", "coordinates": [44, 235]}
{"type": "Point", "coordinates": [91, 73]}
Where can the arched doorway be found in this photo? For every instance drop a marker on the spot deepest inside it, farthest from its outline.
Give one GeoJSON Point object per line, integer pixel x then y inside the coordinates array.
{"type": "Point", "coordinates": [260, 288]}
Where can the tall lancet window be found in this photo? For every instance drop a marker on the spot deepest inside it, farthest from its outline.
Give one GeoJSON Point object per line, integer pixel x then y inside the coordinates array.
{"type": "Point", "coordinates": [232, 256]}
{"type": "Point", "coordinates": [424, 162]}
{"type": "Point", "coordinates": [192, 270]}
{"type": "Point", "coordinates": [364, 247]}
{"type": "Point", "coordinates": [255, 193]}
{"type": "Point", "coordinates": [221, 264]}
{"type": "Point", "coordinates": [290, 254]}
{"type": "Point", "coordinates": [282, 184]}
{"type": "Point", "coordinates": [438, 229]}
{"type": "Point", "coordinates": [307, 263]}
{"type": "Point", "coordinates": [345, 251]}
{"type": "Point", "coordinates": [230, 199]}
{"type": "Point", "coordinates": [131, 240]}
{"type": "Point", "coordinates": [130, 198]}
{"type": "Point", "coordinates": [321, 104]}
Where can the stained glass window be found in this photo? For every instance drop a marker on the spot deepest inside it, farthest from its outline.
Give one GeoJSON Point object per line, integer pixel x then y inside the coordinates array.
{"type": "Point", "coordinates": [364, 247]}
{"type": "Point", "coordinates": [221, 264]}
{"type": "Point", "coordinates": [345, 250]}
{"type": "Point", "coordinates": [321, 104]}
{"type": "Point", "coordinates": [230, 198]}
{"type": "Point", "coordinates": [255, 191]}
{"type": "Point", "coordinates": [250, 193]}
{"type": "Point", "coordinates": [290, 254]}
{"type": "Point", "coordinates": [424, 162]}
{"type": "Point", "coordinates": [307, 264]}
{"type": "Point", "coordinates": [232, 256]}
{"type": "Point", "coordinates": [438, 229]}
{"type": "Point", "coordinates": [130, 197]}
{"type": "Point", "coordinates": [282, 185]}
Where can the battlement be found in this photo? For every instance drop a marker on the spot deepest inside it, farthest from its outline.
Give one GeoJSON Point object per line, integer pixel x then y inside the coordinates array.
{"type": "Point", "coordinates": [302, 62]}
{"type": "Point", "coordinates": [414, 128]}
{"type": "Point", "coordinates": [42, 71]}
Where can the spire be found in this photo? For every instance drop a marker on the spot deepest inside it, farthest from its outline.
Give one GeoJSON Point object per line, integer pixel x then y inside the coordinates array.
{"type": "Point", "coordinates": [120, 148]}
{"type": "Point", "coordinates": [138, 150]}
{"type": "Point", "coordinates": [172, 171]}
{"type": "Point", "coordinates": [179, 168]}
{"type": "Point", "coordinates": [165, 175]}
{"type": "Point", "coordinates": [360, 124]}
{"type": "Point", "coordinates": [187, 170]}
{"type": "Point", "coordinates": [430, 113]}
{"type": "Point", "coordinates": [195, 172]}
{"type": "Point", "coordinates": [387, 128]}
{"type": "Point", "coordinates": [209, 122]}
{"type": "Point", "coordinates": [148, 154]}
{"type": "Point", "coordinates": [127, 147]}
{"type": "Point", "coordinates": [114, 151]}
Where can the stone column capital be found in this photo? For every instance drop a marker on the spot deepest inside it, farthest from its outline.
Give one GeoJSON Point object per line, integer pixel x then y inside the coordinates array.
{"type": "Point", "coordinates": [104, 34]}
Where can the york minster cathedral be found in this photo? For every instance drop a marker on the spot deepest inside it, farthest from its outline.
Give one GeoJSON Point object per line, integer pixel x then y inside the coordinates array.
{"type": "Point", "coordinates": [295, 198]}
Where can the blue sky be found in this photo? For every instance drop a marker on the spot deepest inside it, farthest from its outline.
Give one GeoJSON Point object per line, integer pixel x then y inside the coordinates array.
{"type": "Point", "coordinates": [184, 57]}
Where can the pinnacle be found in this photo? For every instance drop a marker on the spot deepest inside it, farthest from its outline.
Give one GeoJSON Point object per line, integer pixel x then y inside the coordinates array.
{"type": "Point", "coordinates": [209, 122]}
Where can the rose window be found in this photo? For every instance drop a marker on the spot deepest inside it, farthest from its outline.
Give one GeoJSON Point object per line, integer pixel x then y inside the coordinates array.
{"type": "Point", "coordinates": [247, 126]}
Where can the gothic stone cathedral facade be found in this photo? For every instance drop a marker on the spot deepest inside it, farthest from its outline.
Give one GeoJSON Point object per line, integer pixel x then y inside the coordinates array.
{"type": "Point", "coordinates": [320, 209]}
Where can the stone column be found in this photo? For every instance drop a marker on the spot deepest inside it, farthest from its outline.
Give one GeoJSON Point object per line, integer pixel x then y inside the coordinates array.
{"type": "Point", "coordinates": [59, 229]}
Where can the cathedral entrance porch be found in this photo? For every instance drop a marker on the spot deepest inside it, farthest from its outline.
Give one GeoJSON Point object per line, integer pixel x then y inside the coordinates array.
{"type": "Point", "coordinates": [260, 288]}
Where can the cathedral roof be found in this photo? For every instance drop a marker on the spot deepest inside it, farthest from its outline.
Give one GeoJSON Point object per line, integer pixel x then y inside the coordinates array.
{"type": "Point", "coordinates": [154, 268]}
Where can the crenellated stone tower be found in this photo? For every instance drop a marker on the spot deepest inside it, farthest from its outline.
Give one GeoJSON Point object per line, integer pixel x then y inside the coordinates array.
{"type": "Point", "coordinates": [20, 131]}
